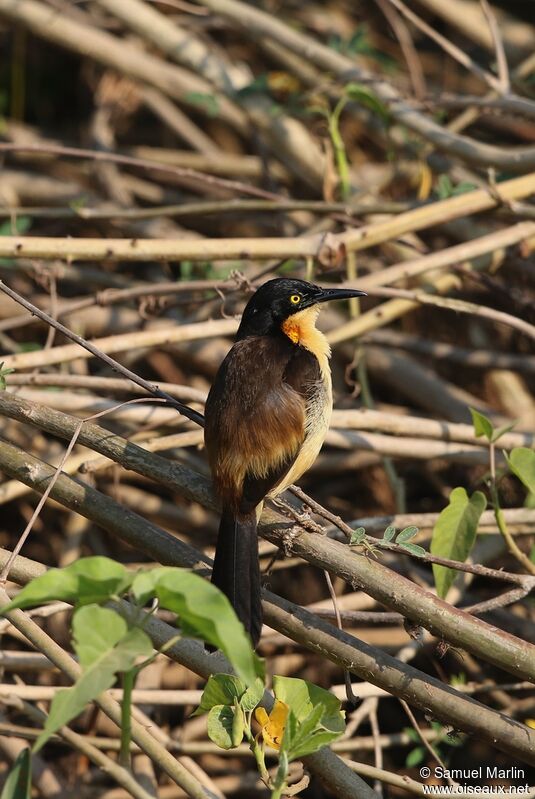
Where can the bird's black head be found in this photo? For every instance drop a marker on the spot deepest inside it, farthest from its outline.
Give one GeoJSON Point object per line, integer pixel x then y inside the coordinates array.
{"type": "Point", "coordinates": [278, 299]}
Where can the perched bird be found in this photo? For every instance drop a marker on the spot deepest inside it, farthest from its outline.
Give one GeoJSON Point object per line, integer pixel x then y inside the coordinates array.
{"type": "Point", "coordinates": [266, 418]}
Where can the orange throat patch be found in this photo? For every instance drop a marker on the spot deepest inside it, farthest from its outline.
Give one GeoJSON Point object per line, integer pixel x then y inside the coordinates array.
{"type": "Point", "coordinates": [291, 330]}
{"type": "Point", "coordinates": [301, 328]}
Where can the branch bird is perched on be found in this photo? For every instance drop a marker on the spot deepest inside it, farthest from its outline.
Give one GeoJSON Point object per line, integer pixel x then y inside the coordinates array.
{"type": "Point", "coordinates": [267, 415]}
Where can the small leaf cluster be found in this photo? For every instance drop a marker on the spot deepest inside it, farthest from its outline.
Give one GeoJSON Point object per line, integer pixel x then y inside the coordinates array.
{"type": "Point", "coordinates": [455, 531]}
{"type": "Point", "coordinates": [484, 427]}
{"type": "Point", "coordinates": [403, 539]}
{"type": "Point", "coordinates": [418, 754]}
{"type": "Point", "coordinates": [304, 719]}
{"type": "Point", "coordinates": [108, 644]}
{"type": "Point", "coordinates": [390, 536]}
{"type": "Point", "coordinates": [229, 704]}
{"type": "Point", "coordinates": [521, 460]}
{"type": "Point", "coordinates": [445, 187]}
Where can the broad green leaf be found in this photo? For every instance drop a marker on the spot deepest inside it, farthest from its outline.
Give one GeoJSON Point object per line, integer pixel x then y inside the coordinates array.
{"type": "Point", "coordinates": [455, 533]}
{"type": "Point", "coordinates": [220, 726]}
{"type": "Point", "coordinates": [145, 582]}
{"type": "Point", "coordinates": [252, 695]}
{"type": "Point", "coordinates": [406, 535]}
{"type": "Point", "coordinates": [290, 732]}
{"type": "Point", "coordinates": [204, 612]}
{"type": "Point", "coordinates": [389, 533]}
{"type": "Point", "coordinates": [221, 689]}
{"type": "Point", "coordinates": [482, 424]}
{"type": "Point", "coordinates": [107, 655]}
{"type": "Point", "coordinates": [311, 734]}
{"type": "Point", "coordinates": [86, 581]}
{"type": "Point", "coordinates": [96, 630]}
{"type": "Point", "coordinates": [357, 536]}
{"type": "Point", "coordinates": [18, 784]}
{"type": "Point", "coordinates": [303, 697]}
{"type": "Point", "coordinates": [323, 724]}
{"type": "Point", "coordinates": [312, 743]}
{"type": "Point", "coordinates": [522, 463]}
{"type": "Point", "coordinates": [301, 739]}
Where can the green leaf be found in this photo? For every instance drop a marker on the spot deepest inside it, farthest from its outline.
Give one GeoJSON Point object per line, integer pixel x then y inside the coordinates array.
{"type": "Point", "coordinates": [357, 536]}
{"type": "Point", "coordinates": [252, 695]}
{"type": "Point", "coordinates": [221, 689]}
{"type": "Point", "coordinates": [296, 732]}
{"type": "Point", "coordinates": [95, 630]}
{"type": "Point", "coordinates": [220, 726]}
{"type": "Point", "coordinates": [500, 431]}
{"type": "Point", "coordinates": [18, 784]}
{"type": "Point", "coordinates": [406, 535]}
{"type": "Point", "coordinates": [522, 463]}
{"type": "Point", "coordinates": [105, 647]}
{"type": "Point", "coordinates": [86, 581]}
{"type": "Point", "coordinates": [455, 533]}
{"type": "Point", "coordinates": [482, 424]}
{"type": "Point", "coordinates": [302, 696]}
{"type": "Point", "coordinates": [414, 549]}
{"type": "Point", "coordinates": [415, 757]}
{"type": "Point", "coordinates": [204, 612]}
{"type": "Point", "coordinates": [389, 533]}
{"type": "Point", "coordinates": [317, 715]}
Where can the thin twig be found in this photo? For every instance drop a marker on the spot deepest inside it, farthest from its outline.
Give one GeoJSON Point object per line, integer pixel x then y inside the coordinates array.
{"type": "Point", "coordinates": [471, 568]}
{"type": "Point", "coordinates": [455, 52]}
{"type": "Point", "coordinates": [234, 186]}
{"type": "Point", "coordinates": [422, 738]}
{"type": "Point", "coordinates": [4, 574]}
{"type": "Point", "coordinates": [196, 417]}
{"type": "Point", "coordinates": [351, 698]}
{"type": "Point", "coordinates": [501, 60]}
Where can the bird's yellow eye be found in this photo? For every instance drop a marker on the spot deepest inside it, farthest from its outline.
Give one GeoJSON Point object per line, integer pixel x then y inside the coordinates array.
{"type": "Point", "coordinates": [295, 298]}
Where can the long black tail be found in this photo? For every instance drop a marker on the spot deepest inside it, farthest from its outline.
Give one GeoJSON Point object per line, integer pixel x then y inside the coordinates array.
{"type": "Point", "coordinates": [237, 570]}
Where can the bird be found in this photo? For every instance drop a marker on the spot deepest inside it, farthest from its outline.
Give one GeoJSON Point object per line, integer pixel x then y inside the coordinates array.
{"type": "Point", "coordinates": [266, 418]}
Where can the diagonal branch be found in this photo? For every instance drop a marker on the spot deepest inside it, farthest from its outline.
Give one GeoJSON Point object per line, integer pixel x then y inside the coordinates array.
{"type": "Point", "coordinates": [386, 586]}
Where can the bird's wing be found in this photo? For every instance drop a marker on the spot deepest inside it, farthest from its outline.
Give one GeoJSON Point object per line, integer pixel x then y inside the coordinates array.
{"type": "Point", "coordinates": [255, 418]}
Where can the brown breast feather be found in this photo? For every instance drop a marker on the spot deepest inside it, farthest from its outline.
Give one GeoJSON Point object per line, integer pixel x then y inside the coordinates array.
{"type": "Point", "coordinates": [255, 417]}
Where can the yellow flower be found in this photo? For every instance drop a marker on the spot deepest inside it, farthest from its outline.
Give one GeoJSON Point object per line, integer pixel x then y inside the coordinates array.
{"type": "Point", "coordinates": [274, 724]}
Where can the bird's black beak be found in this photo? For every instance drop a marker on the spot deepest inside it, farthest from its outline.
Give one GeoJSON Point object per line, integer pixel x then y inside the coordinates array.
{"type": "Point", "coordinates": [325, 295]}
